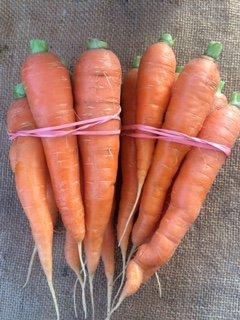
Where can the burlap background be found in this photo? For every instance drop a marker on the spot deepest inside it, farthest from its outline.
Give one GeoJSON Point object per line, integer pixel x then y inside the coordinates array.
{"type": "Point", "coordinates": [202, 281]}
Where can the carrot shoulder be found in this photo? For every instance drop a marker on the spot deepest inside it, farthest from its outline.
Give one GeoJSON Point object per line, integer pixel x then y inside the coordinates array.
{"type": "Point", "coordinates": [50, 98]}
{"type": "Point", "coordinates": [97, 84]}
{"type": "Point", "coordinates": [190, 103]}
{"type": "Point", "coordinates": [190, 189]}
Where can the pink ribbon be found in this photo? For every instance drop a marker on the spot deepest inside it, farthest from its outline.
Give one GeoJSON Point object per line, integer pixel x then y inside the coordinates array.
{"type": "Point", "coordinates": [77, 128]}
{"type": "Point", "coordinates": [173, 136]}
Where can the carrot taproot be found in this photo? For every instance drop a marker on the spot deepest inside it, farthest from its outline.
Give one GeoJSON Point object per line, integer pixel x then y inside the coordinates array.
{"type": "Point", "coordinates": [31, 176]}
{"type": "Point", "coordinates": [73, 260]}
{"type": "Point", "coordinates": [128, 161]}
{"type": "Point", "coordinates": [156, 76]}
{"type": "Point", "coordinates": [108, 255]}
{"type": "Point", "coordinates": [50, 98]}
{"type": "Point", "coordinates": [97, 83]}
{"type": "Point", "coordinates": [191, 101]}
{"type": "Point", "coordinates": [190, 189]}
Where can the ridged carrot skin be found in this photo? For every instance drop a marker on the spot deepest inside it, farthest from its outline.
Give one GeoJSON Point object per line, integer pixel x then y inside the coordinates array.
{"type": "Point", "coordinates": [97, 83]}
{"type": "Point", "coordinates": [128, 159]}
{"type": "Point", "coordinates": [50, 98]}
{"type": "Point", "coordinates": [31, 176]}
{"type": "Point", "coordinates": [190, 189]}
{"type": "Point", "coordinates": [191, 101]}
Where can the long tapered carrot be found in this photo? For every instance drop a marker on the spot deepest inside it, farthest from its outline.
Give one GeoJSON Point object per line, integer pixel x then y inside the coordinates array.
{"type": "Point", "coordinates": [156, 76]}
{"type": "Point", "coordinates": [128, 160]}
{"type": "Point", "coordinates": [191, 101]}
{"type": "Point", "coordinates": [50, 98]}
{"type": "Point", "coordinates": [190, 189]}
{"type": "Point", "coordinates": [108, 255]}
{"type": "Point", "coordinates": [31, 176]}
{"type": "Point", "coordinates": [97, 83]}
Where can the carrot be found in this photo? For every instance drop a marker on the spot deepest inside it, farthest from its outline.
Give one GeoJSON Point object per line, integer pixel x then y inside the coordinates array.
{"type": "Point", "coordinates": [155, 80]}
{"type": "Point", "coordinates": [192, 185]}
{"type": "Point", "coordinates": [31, 176]}
{"type": "Point", "coordinates": [97, 83]}
{"type": "Point", "coordinates": [191, 101]}
{"type": "Point", "coordinates": [128, 161]}
{"type": "Point", "coordinates": [108, 255]}
{"type": "Point", "coordinates": [50, 98]}
{"type": "Point", "coordinates": [73, 260]}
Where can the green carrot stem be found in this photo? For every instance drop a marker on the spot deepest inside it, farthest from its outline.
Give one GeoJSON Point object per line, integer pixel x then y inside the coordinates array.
{"type": "Point", "coordinates": [96, 44]}
{"type": "Point", "coordinates": [136, 61]}
{"type": "Point", "coordinates": [214, 50]}
{"type": "Point", "coordinates": [167, 38]}
{"type": "Point", "coordinates": [38, 46]}
{"type": "Point", "coordinates": [235, 99]}
{"type": "Point", "coordinates": [19, 91]}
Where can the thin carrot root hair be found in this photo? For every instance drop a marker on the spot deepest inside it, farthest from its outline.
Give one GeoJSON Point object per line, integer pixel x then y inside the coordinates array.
{"type": "Point", "coordinates": [30, 266]}
{"type": "Point", "coordinates": [139, 190]}
{"type": "Point", "coordinates": [109, 295]}
{"type": "Point", "coordinates": [91, 277]}
{"type": "Point", "coordinates": [159, 285]}
{"type": "Point", "coordinates": [84, 304]}
{"type": "Point", "coordinates": [74, 298]}
{"type": "Point", "coordinates": [82, 282]}
{"type": "Point", "coordinates": [50, 284]}
{"type": "Point", "coordinates": [125, 264]}
{"type": "Point", "coordinates": [116, 307]}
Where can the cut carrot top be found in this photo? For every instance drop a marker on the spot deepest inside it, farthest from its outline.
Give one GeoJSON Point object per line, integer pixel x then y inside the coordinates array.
{"type": "Point", "coordinates": [235, 99]}
{"type": "Point", "coordinates": [136, 61]}
{"type": "Point", "coordinates": [19, 91]}
{"type": "Point", "coordinates": [214, 50]}
{"type": "Point", "coordinates": [167, 38]}
{"type": "Point", "coordinates": [96, 44]}
{"type": "Point", "coordinates": [38, 46]}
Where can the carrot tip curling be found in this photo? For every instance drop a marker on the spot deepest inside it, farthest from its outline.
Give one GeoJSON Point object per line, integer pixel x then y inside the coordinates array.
{"type": "Point", "coordinates": [221, 86]}
{"type": "Point", "coordinates": [179, 69]}
{"type": "Point", "coordinates": [96, 44]}
{"type": "Point", "coordinates": [235, 99]}
{"type": "Point", "coordinates": [19, 91]}
{"type": "Point", "coordinates": [136, 61]}
{"type": "Point", "coordinates": [167, 38]}
{"type": "Point", "coordinates": [38, 46]}
{"type": "Point", "coordinates": [214, 50]}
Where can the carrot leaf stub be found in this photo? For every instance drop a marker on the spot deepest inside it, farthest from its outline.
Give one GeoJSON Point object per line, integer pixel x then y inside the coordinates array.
{"type": "Point", "coordinates": [235, 99]}
{"type": "Point", "coordinates": [167, 38]}
{"type": "Point", "coordinates": [96, 44]}
{"type": "Point", "coordinates": [19, 91]}
{"type": "Point", "coordinates": [136, 61]}
{"type": "Point", "coordinates": [38, 46]}
{"type": "Point", "coordinates": [214, 50]}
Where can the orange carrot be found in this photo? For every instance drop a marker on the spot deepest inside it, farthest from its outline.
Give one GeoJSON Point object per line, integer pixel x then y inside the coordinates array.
{"type": "Point", "coordinates": [108, 255]}
{"type": "Point", "coordinates": [190, 189]}
{"type": "Point", "coordinates": [155, 79]}
{"type": "Point", "coordinates": [191, 101]}
{"type": "Point", "coordinates": [31, 176]}
{"type": "Point", "coordinates": [97, 85]}
{"type": "Point", "coordinates": [128, 161]}
{"type": "Point", "coordinates": [50, 98]}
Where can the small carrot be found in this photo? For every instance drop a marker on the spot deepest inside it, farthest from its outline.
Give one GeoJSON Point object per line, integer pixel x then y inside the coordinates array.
{"type": "Point", "coordinates": [108, 255]}
{"type": "Point", "coordinates": [50, 98]}
{"type": "Point", "coordinates": [97, 84]}
{"type": "Point", "coordinates": [156, 76]}
{"type": "Point", "coordinates": [31, 176]}
{"type": "Point", "coordinates": [128, 161]}
{"type": "Point", "coordinates": [191, 101]}
{"type": "Point", "coordinates": [190, 189]}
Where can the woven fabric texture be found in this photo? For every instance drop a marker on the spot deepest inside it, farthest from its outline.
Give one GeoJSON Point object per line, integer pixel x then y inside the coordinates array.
{"type": "Point", "coordinates": [202, 280]}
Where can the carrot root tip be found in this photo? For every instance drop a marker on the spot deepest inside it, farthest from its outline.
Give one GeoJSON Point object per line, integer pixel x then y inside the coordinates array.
{"type": "Point", "coordinates": [91, 277]}
{"type": "Point", "coordinates": [159, 285]}
{"type": "Point", "coordinates": [38, 46]}
{"type": "Point", "coordinates": [50, 284]}
{"type": "Point", "coordinates": [74, 298]}
{"type": "Point", "coordinates": [109, 295]}
{"type": "Point", "coordinates": [30, 266]}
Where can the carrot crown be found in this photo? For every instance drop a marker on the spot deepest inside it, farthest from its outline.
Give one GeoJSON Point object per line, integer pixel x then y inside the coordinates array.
{"type": "Point", "coordinates": [96, 44]}
{"type": "Point", "coordinates": [179, 69]}
{"type": "Point", "coordinates": [214, 50]}
{"type": "Point", "coordinates": [38, 46]}
{"type": "Point", "coordinates": [167, 38]}
{"type": "Point", "coordinates": [221, 86]}
{"type": "Point", "coordinates": [235, 99]}
{"type": "Point", "coordinates": [19, 91]}
{"type": "Point", "coordinates": [136, 61]}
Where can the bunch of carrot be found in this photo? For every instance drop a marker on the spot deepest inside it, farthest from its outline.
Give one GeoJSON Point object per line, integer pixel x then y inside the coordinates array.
{"type": "Point", "coordinates": [165, 182]}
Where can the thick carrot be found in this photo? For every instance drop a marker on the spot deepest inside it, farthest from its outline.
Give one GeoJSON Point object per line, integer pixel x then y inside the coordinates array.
{"type": "Point", "coordinates": [156, 76]}
{"type": "Point", "coordinates": [31, 176]}
{"type": "Point", "coordinates": [191, 101]}
{"type": "Point", "coordinates": [128, 160]}
{"type": "Point", "coordinates": [50, 98]}
{"type": "Point", "coordinates": [108, 255]}
{"type": "Point", "coordinates": [192, 185]}
{"type": "Point", "coordinates": [97, 84]}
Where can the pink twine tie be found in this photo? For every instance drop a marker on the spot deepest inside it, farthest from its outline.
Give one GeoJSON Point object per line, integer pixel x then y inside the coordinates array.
{"type": "Point", "coordinates": [173, 136]}
{"type": "Point", "coordinates": [75, 128]}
